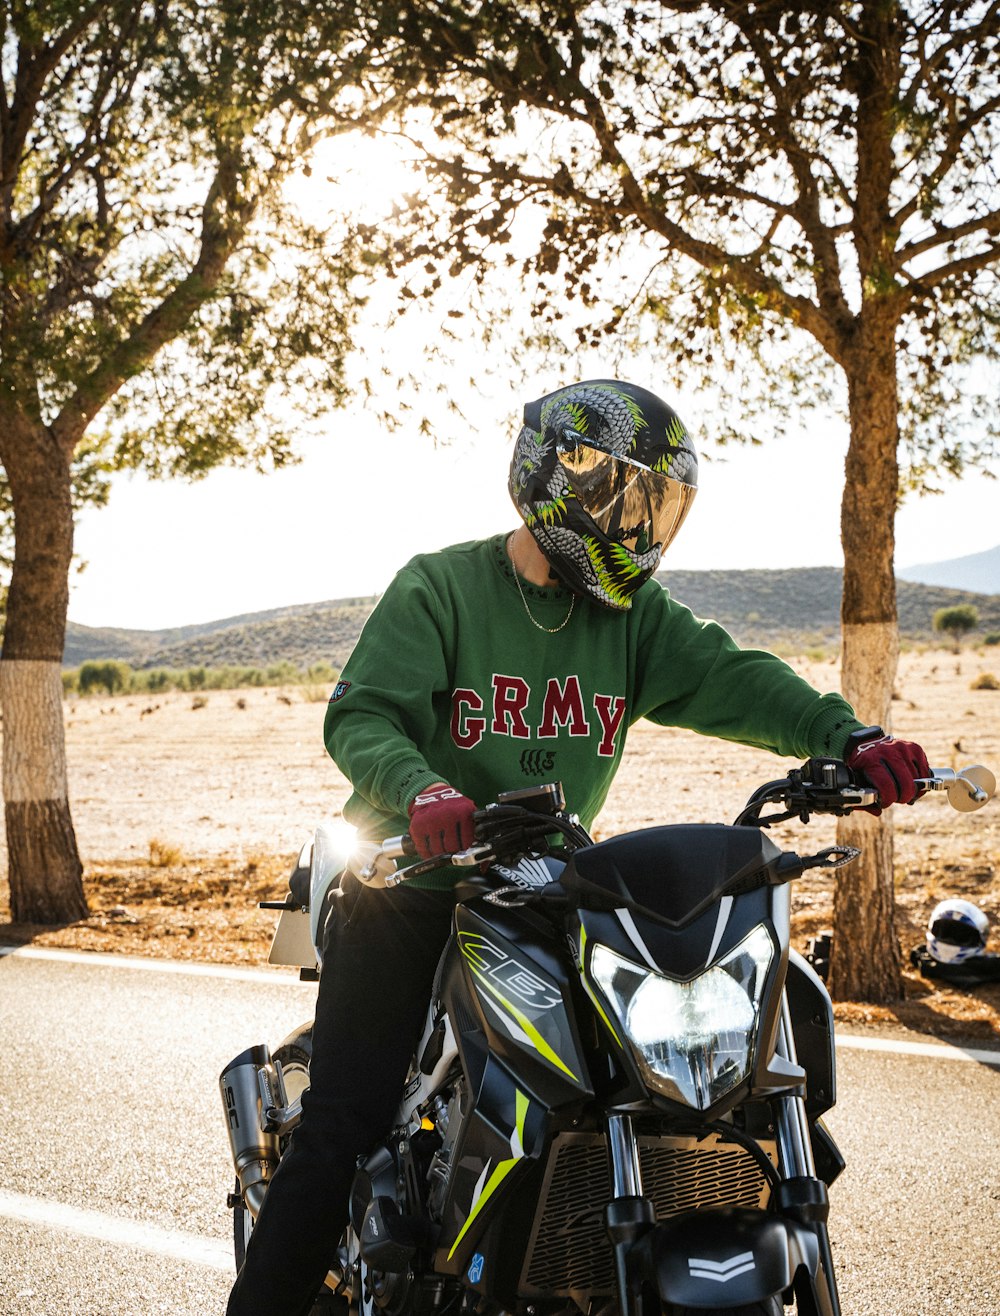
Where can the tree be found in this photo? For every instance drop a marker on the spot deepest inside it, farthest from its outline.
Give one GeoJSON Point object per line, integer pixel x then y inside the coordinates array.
{"type": "Point", "coordinates": [956, 622]}
{"type": "Point", "coordinates": [156, 296]}
{"type": "Point", "coordinates": [110, 675]}
{"type": "Point", "coordinates": [762, 192]}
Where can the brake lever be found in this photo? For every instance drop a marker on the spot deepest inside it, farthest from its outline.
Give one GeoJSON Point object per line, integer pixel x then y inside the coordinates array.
{"type": "Point", "coordinates": [473, 857]}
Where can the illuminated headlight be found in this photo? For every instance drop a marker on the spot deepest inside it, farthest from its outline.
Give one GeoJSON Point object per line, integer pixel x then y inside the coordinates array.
{"type": "Point", "coordinates": [693, 1040]}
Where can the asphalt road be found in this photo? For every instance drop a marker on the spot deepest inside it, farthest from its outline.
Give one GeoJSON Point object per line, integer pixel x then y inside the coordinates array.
{"type": "Point", "coordinates": [114, 1164]}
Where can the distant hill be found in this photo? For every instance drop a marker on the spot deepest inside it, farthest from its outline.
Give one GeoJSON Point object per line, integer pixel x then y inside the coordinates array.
{"type": "Point", "coordinates": [978, 571]}
{"type": "Point", "coordinates": [252, 639]}
{"type": "Point", "coordinates": [797, 608]}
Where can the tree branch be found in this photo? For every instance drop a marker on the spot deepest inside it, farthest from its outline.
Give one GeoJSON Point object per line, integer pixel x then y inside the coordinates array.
{"type": "Point", "coordinates": [957, 131]}
{"type": "Point", "coordinates": [987, 224]}
{"type": "Point", "coordinates": [105, 100]}
{"type": "Point", "coordinates": [34, 64]}
{"type": "Point", "coordinates": [827, 272]}
{"type": "Point", "coordinates": [928, 66]}
{"type": "Point", "coordinates": [227, 211]}
{"type": "Point", "coordinates": [967, 265]}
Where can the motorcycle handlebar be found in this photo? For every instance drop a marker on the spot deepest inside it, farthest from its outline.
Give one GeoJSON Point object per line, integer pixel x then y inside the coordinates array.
{"type": "Point", "coordinates": [828, 786]}
{"type": "Point", "coordinates": [819, 786]}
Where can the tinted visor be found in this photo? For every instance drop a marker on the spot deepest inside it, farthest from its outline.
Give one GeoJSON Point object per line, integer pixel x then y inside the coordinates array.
{"type": "Point", "coordinates": [630, 504]}
{"type": "Point", "coordinates": [956, 932]}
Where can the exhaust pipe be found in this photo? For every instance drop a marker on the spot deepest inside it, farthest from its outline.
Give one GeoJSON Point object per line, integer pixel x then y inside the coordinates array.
{"type": "Point", "coordinates": [251, 1086]}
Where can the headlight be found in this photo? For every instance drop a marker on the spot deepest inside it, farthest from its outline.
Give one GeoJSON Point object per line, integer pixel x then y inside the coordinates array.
{"type": "Point", "coordinates": [693, 1040]}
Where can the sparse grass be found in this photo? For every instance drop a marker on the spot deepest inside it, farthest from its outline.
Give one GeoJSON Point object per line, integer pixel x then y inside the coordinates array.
{"type": "Point", "coordinates": [164, 855]}
{"type": "Point", "coordinates": [315, 694]}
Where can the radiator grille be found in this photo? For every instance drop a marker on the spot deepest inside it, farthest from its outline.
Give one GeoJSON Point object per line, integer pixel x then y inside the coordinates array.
{"type": "Point", "coordinates": [570, 1251]}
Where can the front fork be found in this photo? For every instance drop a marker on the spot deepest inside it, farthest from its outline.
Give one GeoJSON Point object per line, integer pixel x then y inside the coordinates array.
{"type": "Point", "coordinates": [629, 1214]}
{"type": "Point", "coordinates": [800, 1194]}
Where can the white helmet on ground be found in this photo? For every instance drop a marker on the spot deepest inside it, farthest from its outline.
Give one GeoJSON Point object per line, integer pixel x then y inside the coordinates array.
{"type": "Point", "coordinates": [956, 931]}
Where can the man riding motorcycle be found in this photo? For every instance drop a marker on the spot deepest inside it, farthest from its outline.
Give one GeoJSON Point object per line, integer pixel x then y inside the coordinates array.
{"type": "Point", "coordinates": [524, 655]}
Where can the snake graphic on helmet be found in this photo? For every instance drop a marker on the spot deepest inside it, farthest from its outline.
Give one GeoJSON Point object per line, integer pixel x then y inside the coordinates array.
{"type": "Point", "coordinates": [603, 474]}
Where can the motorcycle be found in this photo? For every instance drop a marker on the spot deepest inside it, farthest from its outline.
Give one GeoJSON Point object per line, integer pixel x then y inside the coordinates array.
{"type": "Point", "coordinates": [617, 1103]}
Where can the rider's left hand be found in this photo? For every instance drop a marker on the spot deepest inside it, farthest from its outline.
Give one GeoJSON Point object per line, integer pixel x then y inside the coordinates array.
{"type": "Point", "coordinates": [892, 767]}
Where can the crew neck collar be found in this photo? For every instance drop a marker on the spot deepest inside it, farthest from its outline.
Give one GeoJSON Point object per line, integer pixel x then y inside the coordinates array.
{"type": "Point", "coordinates": [540, 593]}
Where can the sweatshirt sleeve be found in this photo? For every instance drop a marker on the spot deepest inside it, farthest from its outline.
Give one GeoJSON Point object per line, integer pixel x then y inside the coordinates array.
{"type": "Point", "coordinates": [382, 709]}
{"type": "Point", "coordinates": [693, 674]}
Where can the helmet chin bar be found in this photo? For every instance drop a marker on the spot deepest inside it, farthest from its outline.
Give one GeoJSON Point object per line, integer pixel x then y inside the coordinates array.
{"type": "Point", "coordinates": [603, 474]}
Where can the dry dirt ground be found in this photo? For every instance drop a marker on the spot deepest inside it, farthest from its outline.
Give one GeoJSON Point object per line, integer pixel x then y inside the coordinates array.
{"type": "Point", "coordinates": [190, 809]}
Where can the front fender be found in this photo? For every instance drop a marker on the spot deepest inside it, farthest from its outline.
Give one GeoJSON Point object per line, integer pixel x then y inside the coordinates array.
{"type": "Point", "coordinates": [730, 1257]}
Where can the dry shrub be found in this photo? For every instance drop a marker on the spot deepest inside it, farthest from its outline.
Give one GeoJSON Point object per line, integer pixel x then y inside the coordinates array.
{"type": "Point", "coordinates": [985, 681]}
{"type": "Point", "coordinates": [164, 855]}
{"type": "Point", "coordinates": [315, 694]}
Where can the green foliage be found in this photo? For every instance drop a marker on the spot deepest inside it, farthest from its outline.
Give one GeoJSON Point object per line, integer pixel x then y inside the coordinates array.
{"type": "Point", "coordinates": [956, 621]}
{"type": "Point", "coordinates": [110, 676]}
{"type": "Point", "coordinates": [113, 677]}
{"type": "Point", "coordinates": [164, 306]}
{"type": "Point", "coordinates": [992, 638]}
{"type": "Point", "coordinates": [702, 185]}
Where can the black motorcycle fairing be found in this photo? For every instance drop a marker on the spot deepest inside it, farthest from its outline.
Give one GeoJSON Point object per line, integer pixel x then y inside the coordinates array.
{"type": "Point", "coordinates": [514, 970]}
{"type": "Point", "coordinates": [731, 1256]}
{"type": "Point", "coordinates": [640, 935]}
{"type": "Point", "coordinates": [811, 1012]}
{"type": "Point", "coordinates": [502, 1139]}
{"type": "Point", "coordinates": [505, 984]}
{"type": "Point", "coordinates": [674, 873]}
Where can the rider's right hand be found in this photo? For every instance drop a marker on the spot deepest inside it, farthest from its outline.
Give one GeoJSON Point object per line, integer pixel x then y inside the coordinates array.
{"type": "Point", "coordinates": [441, 821]}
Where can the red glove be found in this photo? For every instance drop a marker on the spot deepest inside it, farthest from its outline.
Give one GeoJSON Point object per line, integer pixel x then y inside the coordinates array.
{"type": "Point", "coordinates": [441, 821]}
{"type": "Point", "coordinates": [891, 767]}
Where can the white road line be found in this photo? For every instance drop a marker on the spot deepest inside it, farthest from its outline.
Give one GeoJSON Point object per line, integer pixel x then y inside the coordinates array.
{"type": "Point", "coordinates": [276, 977]}
{"type": "Point", "coordinates": [932, 1050]}
{"type": "Point", "coordinates": [174, 1243]}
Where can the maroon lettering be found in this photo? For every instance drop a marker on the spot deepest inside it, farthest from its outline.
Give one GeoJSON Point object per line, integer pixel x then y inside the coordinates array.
{"type": "Point", "coordinates": [466, 731]}
{"type": "Point", "coordinates": [510, 699]}
{"type": "Point", "coordinates": [563, 706]}
{"type": "Point", "coordinates": [611, 710]}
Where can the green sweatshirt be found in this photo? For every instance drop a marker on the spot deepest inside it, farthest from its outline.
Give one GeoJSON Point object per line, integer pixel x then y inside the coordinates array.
{"type": "Point", "coordinates": [450, 681]}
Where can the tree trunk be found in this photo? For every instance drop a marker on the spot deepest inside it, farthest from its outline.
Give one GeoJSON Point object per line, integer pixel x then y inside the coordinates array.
{"type": "Point", "coordinates": [44, 864]}
{"type": "Point", "coordinates": [865, 960]}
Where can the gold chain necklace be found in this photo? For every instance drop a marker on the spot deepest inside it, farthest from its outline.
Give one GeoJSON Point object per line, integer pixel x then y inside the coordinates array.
{"type": "Point", "coordinates": [549, 630]}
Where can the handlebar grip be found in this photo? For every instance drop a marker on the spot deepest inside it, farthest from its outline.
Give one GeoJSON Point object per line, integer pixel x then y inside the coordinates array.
{"type": "Point", "coordinates": [398, 847]}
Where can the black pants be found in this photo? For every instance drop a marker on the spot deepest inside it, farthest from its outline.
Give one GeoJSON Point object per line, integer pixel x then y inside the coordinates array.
{"type": "Point", "coordinates": [382, 948]}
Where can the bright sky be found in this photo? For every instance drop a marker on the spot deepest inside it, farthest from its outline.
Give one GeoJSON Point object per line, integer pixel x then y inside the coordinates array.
{"type": "Point", "coordinates": [363, 501]}
{"type": "Point", "coordinates": [360, 505]}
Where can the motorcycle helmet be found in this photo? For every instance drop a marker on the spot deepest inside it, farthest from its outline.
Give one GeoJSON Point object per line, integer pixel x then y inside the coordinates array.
{"type": "Point", "coordinates": [603, 475]}
{"type": "Point", "coordinates": [956, 931]}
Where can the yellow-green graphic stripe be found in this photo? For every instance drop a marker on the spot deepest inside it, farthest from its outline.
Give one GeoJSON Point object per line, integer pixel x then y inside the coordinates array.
{"type": "Point", "coordinates": [537, 1039]}
{"type": "Point", "coordinates": [500, 1173]}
